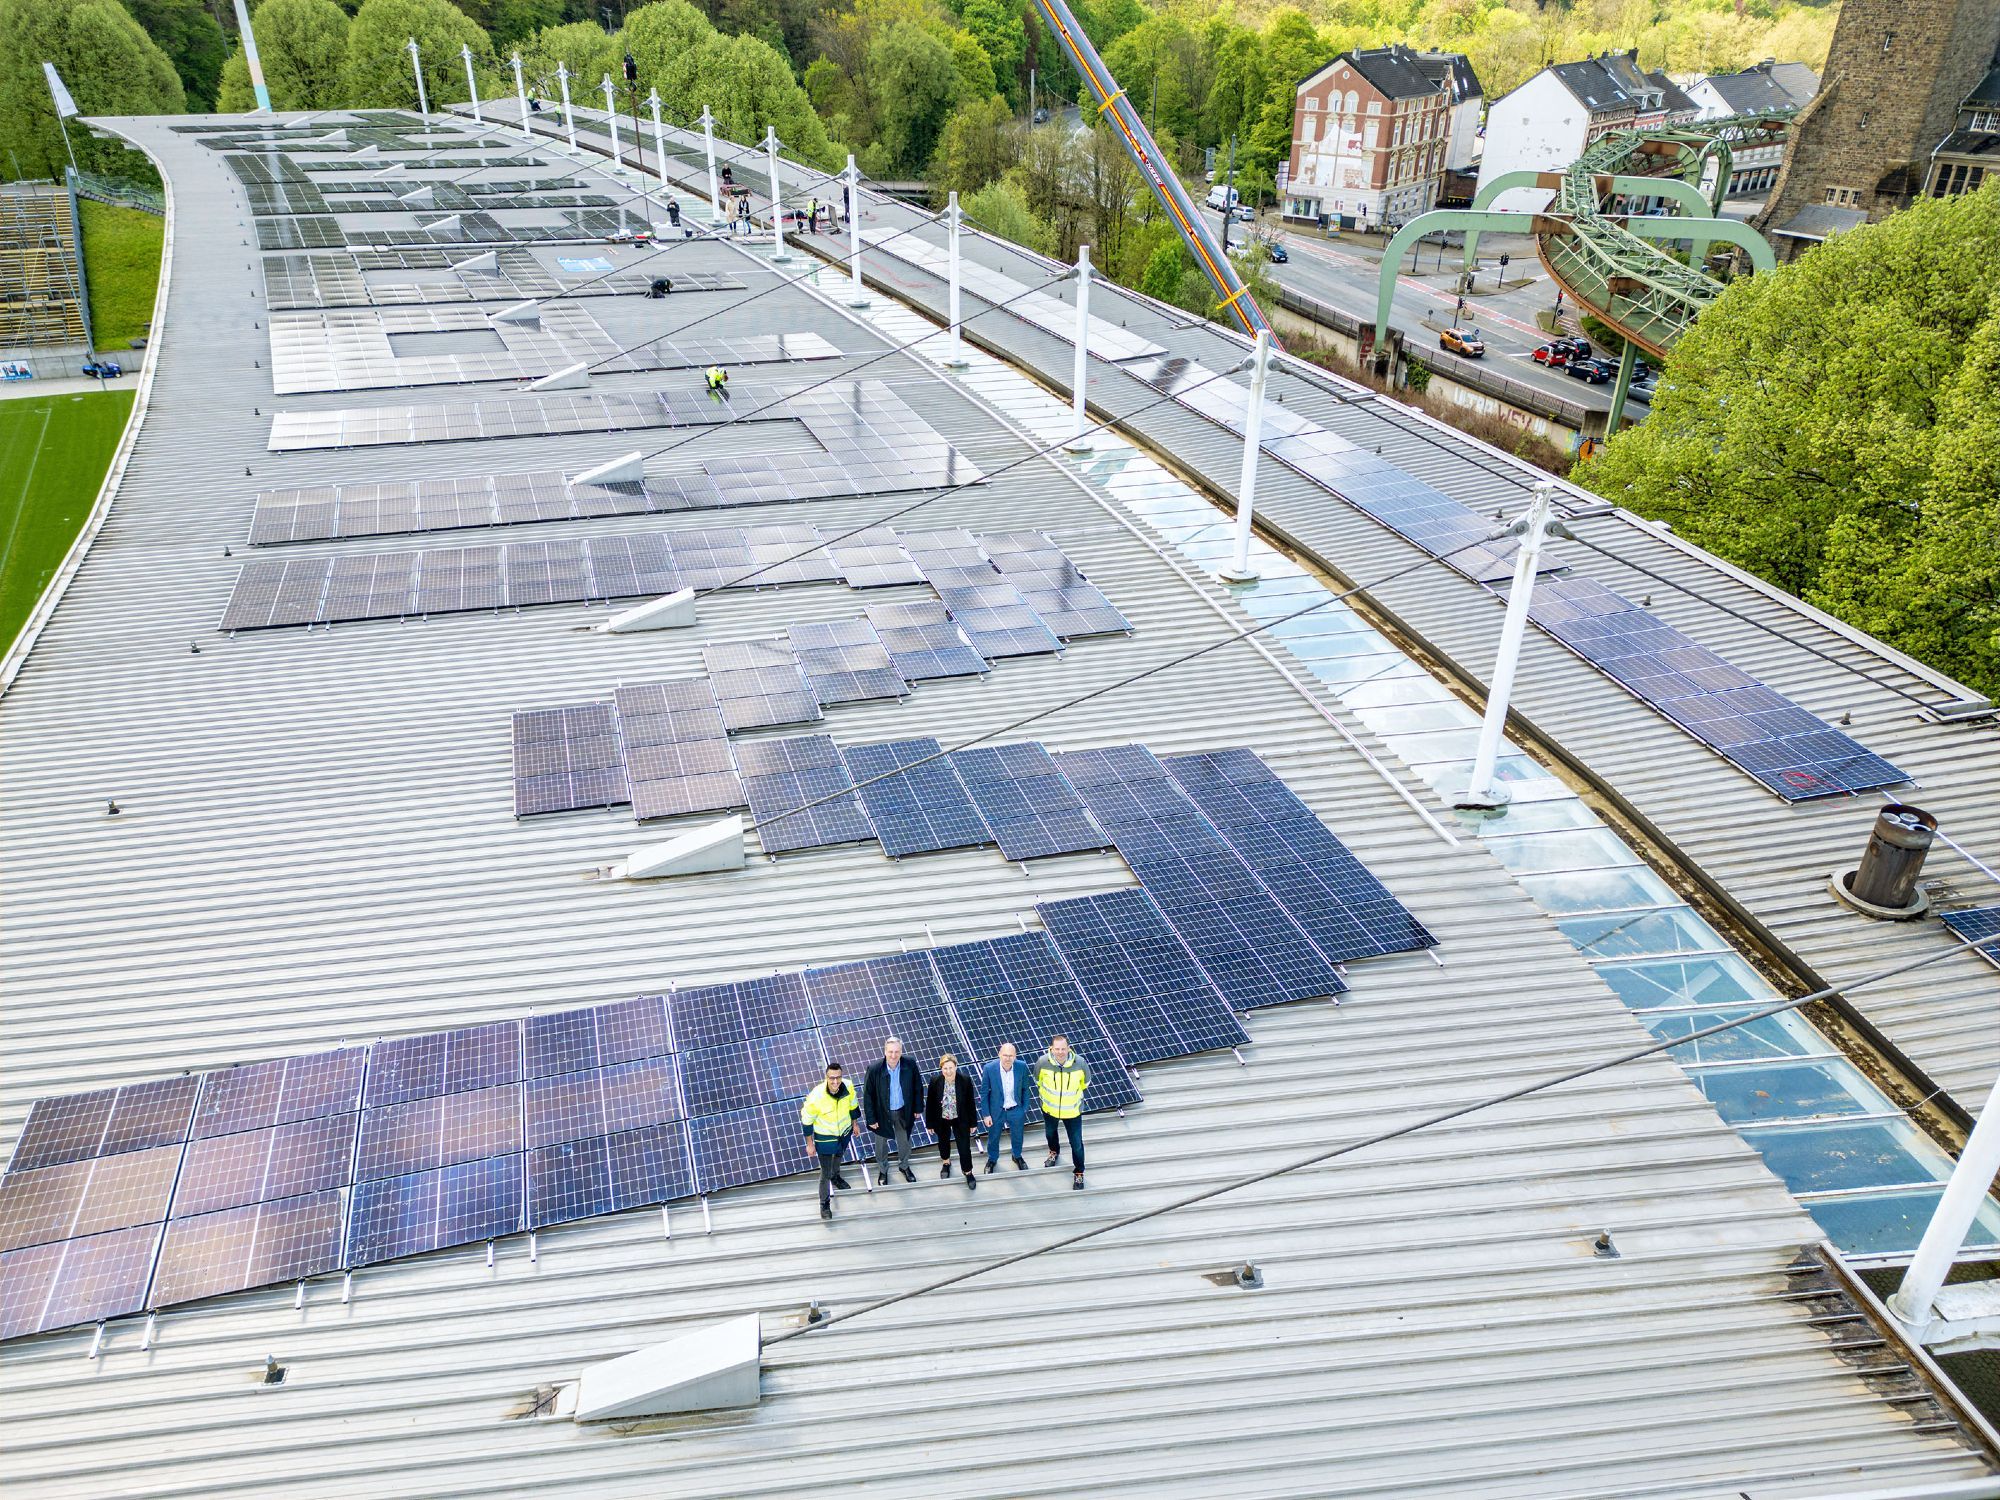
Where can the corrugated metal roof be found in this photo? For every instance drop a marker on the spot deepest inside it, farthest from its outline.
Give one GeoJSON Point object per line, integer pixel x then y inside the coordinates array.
{"type": "Point", "coordinates": [316, 844]}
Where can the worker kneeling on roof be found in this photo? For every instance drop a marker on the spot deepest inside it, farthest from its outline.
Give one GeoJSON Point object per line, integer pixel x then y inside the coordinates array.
{"type": "Point", "coordinates": [718, 381]}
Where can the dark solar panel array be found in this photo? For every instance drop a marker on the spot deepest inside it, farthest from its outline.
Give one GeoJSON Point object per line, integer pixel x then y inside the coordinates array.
{"type": "Point", "coordinates": [1252, 949]}
{"type": "Point", "coordinates": [1792, 752]}
{"type": "Point", "coordinates": [1977, 924]}
{"type": "Point", "coordinates": [801, 785]}
{"type": "Point", "coordinates": [997, 620]}
{"type": "Point", "coordinates": [1148, 990]}
{"type": "Point", "coordinates": [1024, 799]}
{"type": "Point", "coordinates": [677, 754]}
{"type": "Point", "coordinates": [916, 810]}
{"type": "Point", "coordinates": [567, 758]}
{"type": "Point", "coordinates": [181, 1189]}
{"type": "Point", "coordinates": [1053, 586]}
{"type": "Point", "coordinates": [1343, 908]}
{"type": "Point", "coordinates": [1016, 989]}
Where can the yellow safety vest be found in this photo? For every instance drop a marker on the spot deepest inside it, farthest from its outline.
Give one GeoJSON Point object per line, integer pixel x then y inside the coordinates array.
{"type": "Point", "coordinates": [1061, 1086]}
{"type": "Point", "coordinates": [716, 378]}
{"type": "Point", "coordinates": [830, 1118]}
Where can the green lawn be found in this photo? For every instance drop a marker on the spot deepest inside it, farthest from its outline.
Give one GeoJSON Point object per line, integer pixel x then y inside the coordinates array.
{"type": "Point", "coordinates": [53, 454]}
{"type": "Point", "coordinates": [121, 265]}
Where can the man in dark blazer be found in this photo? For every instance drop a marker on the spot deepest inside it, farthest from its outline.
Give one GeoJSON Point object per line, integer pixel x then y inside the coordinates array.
{"type": "Point", "coordinates": [891, 1095]}
{"type": "Point", "coordinates": [1004, 1087]}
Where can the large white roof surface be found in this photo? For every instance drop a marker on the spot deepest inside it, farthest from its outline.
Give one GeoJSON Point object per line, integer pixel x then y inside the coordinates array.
{"type": "Point", "coordinates": [316, 844]}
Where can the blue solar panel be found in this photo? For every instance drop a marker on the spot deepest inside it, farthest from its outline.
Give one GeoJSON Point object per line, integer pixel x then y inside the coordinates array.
{"type": "Point", "coordinates": [1792, 752]}
{"type": "Point", "coordinates": [845, 662]}
{"type": "Point", "coordinates": [280, 1091]}
{"type": "Point", "coordinates": [1015, 989]}
{"type": "Point", "coordinates": [922, 641]}
{"type": "Point", "coordinates": [456, 1205]}
{"type": "Point", "coordinates": [1030, 808]}
{"type": "Point", "coordinates": [608, 1173]}
{"type": "Point", "coordinates": [1253, 951]}
{"type": "Point", "coordinates": [255, 1244]}
{"type": "Point", "coordinates": [1977, 924]}
{"type": "Point", "coordinates": [1153, 998]}
{"type": "Point", "coordinates": [806, 804]}
{"type": "Point", "coordinates": [736, 1075]}
{"type": "Point", "coordinates": [919, 809]}
{"type": "Point", "coordinates": [997, 620]}
{"type": "Point", "coordinates": [1343, 908]}
{"type": "Point", "coordinates": [737, 1148]}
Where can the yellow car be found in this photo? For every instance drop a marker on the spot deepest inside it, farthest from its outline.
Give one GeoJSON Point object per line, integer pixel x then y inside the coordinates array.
{"type": "Point", "coordinates": [1461, 341]}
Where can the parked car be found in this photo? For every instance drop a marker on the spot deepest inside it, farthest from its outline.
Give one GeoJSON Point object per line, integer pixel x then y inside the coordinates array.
{"type": "Point", "coordinates": [1041, 117]}
{"type": "Point", "coordinates": [1243, 213]}
{"type": "Point", "coordinates": [1279, 254]}
{"type": "Point", "coordinates": [1462, 341]}
{"type": "Point", "coordinates": [1555, 355]}
{"type": "Point", "coordinates": [104, 369]}
{"type": "Point", "coordinates": [1596, 371]}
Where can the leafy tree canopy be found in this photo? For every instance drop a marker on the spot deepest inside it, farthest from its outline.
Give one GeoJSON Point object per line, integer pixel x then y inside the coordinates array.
{"type": "Point", "coordinates": [1831, 426]}
{"type": "Point", "coordinates": [192, 40]}
{"type": "Point", "coordinates": [303, 47]}
{"type": "Point", "coordinates": [378, 73]}
{"type": "Point", "coordinates": [111, 66]}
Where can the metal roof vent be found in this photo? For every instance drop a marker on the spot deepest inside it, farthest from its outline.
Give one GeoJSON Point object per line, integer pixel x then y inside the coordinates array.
{"type": "Point", "coordinates": [1884, 884]}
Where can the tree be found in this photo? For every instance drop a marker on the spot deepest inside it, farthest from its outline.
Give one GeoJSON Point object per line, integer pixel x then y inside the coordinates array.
{"type": "Point", "coordinates": [1830, 426]}
{"type": "Point", "coordinates": [586, 48]}
{"type": "Point", "coordinates": [912, 82]}
{"type": "Point", "coordinates": [665, 38]}
{"type": "Point", "coordinates": [999, 208]}
{"type": "Point", "coordinates": [976, 147]}
{"type": "Point", "coordinates": [972, 70]}
{"type": "Point", "coordinates": [998, 29]}
{"type": "Point", "coordinates": [111, 66]}
{"type": "Point", "coordinates": [750, 86]}
{"type": "Point", "coordinates": [192, 40]}
{"type": "Point", "coordinates": [511, 22]}
{"type": "Point", "coordinates": [303, 47]}
{"type": "Point", "coordinates": [378, 72]}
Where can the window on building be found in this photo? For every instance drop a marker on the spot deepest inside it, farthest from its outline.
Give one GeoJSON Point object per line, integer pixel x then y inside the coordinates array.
{"type": "Point", "coordinates": [1374, 105]}
{"type": "Point", "coordinates": [1845, 197]}
{"type": "Point", "coordinates": [1312, 103]}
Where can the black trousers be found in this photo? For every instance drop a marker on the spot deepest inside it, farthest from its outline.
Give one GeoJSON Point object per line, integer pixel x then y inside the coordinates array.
{"type": "Point", "coordinates": [1073, 1128]}
{"type": "Point", "coordinates": [829, 1168]}
{"type": "Point", "coordinates": [960, 1131]}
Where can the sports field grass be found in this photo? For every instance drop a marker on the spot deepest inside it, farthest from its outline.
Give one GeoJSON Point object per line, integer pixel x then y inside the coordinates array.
{"type": "Point", "coordinates": [53, 454]}
{"type": "Point", "coordinates": [121, 266]}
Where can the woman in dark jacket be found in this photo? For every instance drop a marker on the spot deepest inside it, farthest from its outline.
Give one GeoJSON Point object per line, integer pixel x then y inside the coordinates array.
{"type": "Point", "coordinates": [950, 1106]}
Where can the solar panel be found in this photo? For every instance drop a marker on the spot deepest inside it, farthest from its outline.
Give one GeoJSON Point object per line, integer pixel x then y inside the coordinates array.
{"type": "Point", "coordinates": [918, 805]}
{"type": "Point", "coordinates": [758, 685]}
{"type": "Point", "coordinates": [759, 1070]}
{"type": "Point", "coordinates": [71, 1127]}
{"type": "Point", "coordinates": [1024, 800]}
{"type": "Point", "coordinates": [807, 801]}
{"type": "Point", "coordinates": [1791, 752]}
{"type": "Point", "coordinates": [280, 1091]}
{"type": "Point", "coordinates": [1252, 950]}
{"type": "Point", "coordinates": [1053, 586]}
{"type": "Point", "coordinates": [67, 1282]}
{"type": "Point", "coordinates": [922, 641]}
{"type": "Point", "coordinates": [278, 1161]}
{"type": "Point", "coordinates": [1343, 908]}
{"type": "Point", "coordinates": [256, 1244]}
{"type": "Point", "coordinates": [80, 1198]}
{"type": "Point", "coordinates": [455, 1205]}
{"type": "Point", "coordinates": [732, 1149]}
{"type": "Point", "coordinates": [438, 1131]}
{"type": "Point", "coordinates": [1977, 924]}
{"type": "Point", "coordinates": [1015, 989]}
{"type": "Point", "coordinates": [873, 559]}
{"type": "Point", "coordinates": [1147, 989]}
{"type": "Point", "coordinates": [845, 662]}
{"type": "Point", "coordinates": [997, 620]}
{"type": "Point", "coordinates": [710, 1015]}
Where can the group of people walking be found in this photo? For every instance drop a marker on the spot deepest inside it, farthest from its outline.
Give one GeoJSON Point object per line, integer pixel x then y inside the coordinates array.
{"type": "Point", "coordinates": [894, 1089]}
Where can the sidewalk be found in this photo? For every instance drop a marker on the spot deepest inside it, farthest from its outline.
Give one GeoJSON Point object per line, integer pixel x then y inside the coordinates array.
{"type": "Point", "coordinates": [64, 386]}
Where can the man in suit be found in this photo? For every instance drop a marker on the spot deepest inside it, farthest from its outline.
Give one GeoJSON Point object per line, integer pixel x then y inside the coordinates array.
{"type": "Point", "coordinates": [1005, 1089]}
{"type": "Point", "coordinates": [891, 1095]}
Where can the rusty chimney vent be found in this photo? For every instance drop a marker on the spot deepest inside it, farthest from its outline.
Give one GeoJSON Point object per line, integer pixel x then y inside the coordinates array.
{"type": "Point", "coordinates": [1884, 884]}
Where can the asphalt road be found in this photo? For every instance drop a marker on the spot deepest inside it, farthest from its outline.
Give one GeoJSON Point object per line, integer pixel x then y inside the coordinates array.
{"type": "Point", "coordinates": [1344, 273]}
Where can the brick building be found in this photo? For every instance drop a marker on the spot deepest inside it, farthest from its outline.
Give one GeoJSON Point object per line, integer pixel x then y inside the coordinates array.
{"type": "Point", "coordinates": [1371, 134]}
{"type": "Point", "coordinates": [1971, 153]}
{"type": "Point", "coordinates": [1896, 77]}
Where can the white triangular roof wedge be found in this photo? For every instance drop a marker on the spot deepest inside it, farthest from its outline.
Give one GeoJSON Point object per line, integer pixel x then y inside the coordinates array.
{"type": "Point", "coordinates": [423, 196]}
{"type": "Point", "coordinates": [490, 261]}
{"type": "Point", "coordinates": [371, 149]}
{"type": "Point", "coordinates": [569, 378]}
{"type": "Point", "coordinates": [449, 221]}
{"type": "Point", "coordinates": [529, 313]}
{"type": "Point", "coordinates": [708, 1370]}
{"type": "Point", "coordinates": [629, 469]}
{"type": "Point", "coordinates": [668, 612]}
{"type": "Point", "coordinates": [391, 169]}
{"type": "Point", "coordinates": [707, 850]}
